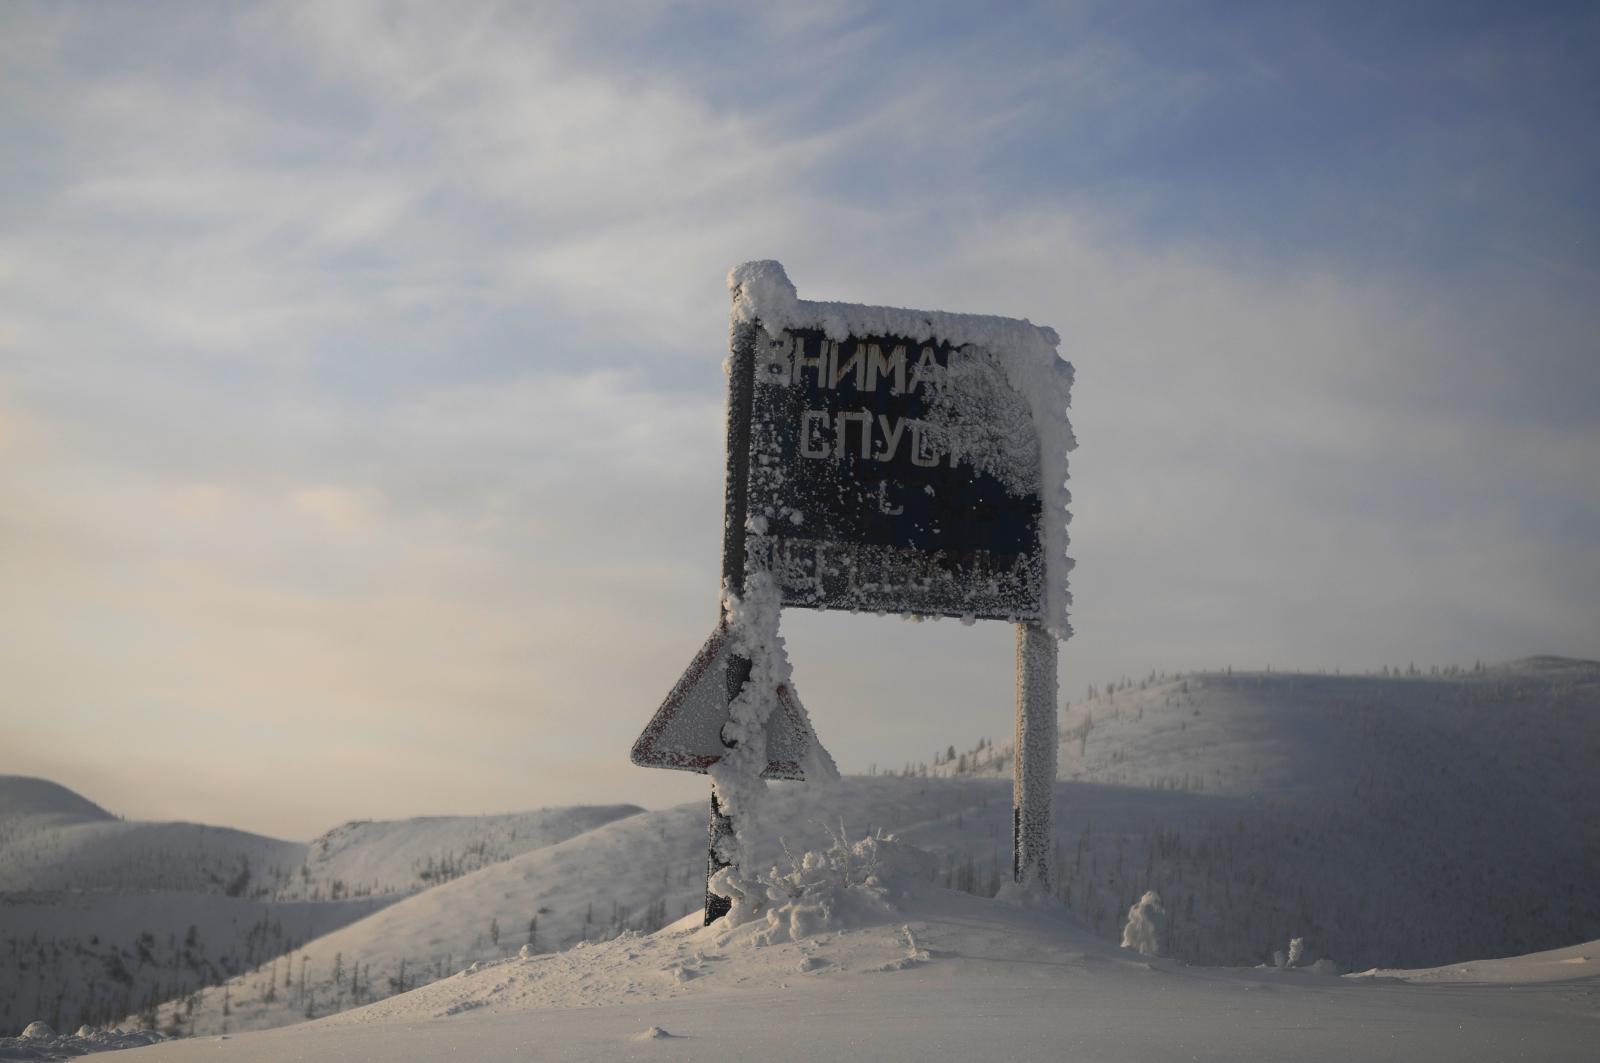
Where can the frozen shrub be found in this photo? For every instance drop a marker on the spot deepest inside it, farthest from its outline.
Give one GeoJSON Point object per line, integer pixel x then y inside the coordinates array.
{"type": "Point", "coordinates": [1146, 920]}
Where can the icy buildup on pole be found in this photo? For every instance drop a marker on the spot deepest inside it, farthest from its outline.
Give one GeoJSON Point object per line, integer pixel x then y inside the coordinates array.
{"type": "Point", "coordinates": [1040, 388]}
{"type": "Point", "coordinates": [753, 630]}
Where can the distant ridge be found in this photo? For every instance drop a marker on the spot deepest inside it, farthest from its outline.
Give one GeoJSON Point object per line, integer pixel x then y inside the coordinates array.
{"type": "Point", "coordinates": [25, 797]}
{"type": "Point", "coordinates": [1547, 663]}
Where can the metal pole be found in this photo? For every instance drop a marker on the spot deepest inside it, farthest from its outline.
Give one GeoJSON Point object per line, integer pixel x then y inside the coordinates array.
{"type": "Point", "coordinates": [741, 394]}
{"type": "Point", "coordinates": [1033, 791]}
{"type": "Point", "coordinates": [720, 830]}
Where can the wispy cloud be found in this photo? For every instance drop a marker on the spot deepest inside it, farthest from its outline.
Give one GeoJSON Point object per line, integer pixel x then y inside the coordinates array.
{"type": "Point", "coordinates": [358, 372]}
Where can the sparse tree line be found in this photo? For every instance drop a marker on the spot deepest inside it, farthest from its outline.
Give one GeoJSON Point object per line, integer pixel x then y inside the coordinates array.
{"type": "Point", "coordinates": [300, 985]}
{"type": "Point", "coordinates": [69, 982]}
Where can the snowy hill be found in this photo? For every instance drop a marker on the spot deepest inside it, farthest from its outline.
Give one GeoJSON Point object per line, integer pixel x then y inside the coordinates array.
{"type": "Point", "coordinates": [1281, 735]}
{"type": "Point", "coordinates": [1392, 821]}
{"type": "Point", "coordinates": [636, 874]}
{"type": "Point", "coordinates": [1355, 812]}
{"type": "Point", "coordinates": [28, 804]}
{"type": "Point", "coordinates": [402, 856]}
{"type": "Point", "coordinates": [858, 956]}
{"type": "Point", "coordinates": [1467, 802]}
{"type": "Point", "coordinates": [101, 917]}
{"type": "Point", "coordinates": [53, 839]}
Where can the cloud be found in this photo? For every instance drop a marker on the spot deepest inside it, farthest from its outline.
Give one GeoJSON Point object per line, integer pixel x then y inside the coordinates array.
{"type": "Point", "coordinates": [360, 413]}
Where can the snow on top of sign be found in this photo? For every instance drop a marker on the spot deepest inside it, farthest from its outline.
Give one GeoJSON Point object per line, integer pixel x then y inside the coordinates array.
{"type": "Point", "coordinates": [762, 292]}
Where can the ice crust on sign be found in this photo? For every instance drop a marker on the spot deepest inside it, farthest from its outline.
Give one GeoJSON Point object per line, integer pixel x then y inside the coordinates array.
{"type": "Point", "coordinates": [1040, 387]}
{"type": "Point", "coordinates": [687, 731]}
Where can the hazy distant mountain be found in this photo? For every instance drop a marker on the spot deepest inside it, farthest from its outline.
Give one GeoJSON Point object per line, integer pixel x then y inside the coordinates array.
{"type": "Point", "coordinates": [27, 803]}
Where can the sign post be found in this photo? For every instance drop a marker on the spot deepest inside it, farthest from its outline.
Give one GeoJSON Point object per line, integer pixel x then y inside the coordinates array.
{"type": "Point", "coordinates": [741, 386]}
{"type": "Point", "coordinates": [881, 460]}
{"type": "Point", "coordinates": [1034, 774]}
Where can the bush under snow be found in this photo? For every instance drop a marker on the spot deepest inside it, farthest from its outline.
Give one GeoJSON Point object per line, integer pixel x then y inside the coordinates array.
{"type": "Point", "coordinates": [1146, 920]}
{"type": "Point", "coordinates": [845, 885]}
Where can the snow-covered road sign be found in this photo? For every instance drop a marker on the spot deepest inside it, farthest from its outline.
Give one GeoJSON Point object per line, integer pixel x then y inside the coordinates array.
{"type": "Point", "coordinates": [906, 461]}
{"type": "Point", "coordinates": [883, 460]}
{"type": "Point", "coordinates": [686, 732]}
{"type": "Point", "coordinates": [898, 476]}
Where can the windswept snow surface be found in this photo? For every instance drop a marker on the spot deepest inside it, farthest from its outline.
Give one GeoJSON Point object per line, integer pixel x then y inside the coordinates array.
{"type": "Point", "coordinates": [1575, 963]}
{"type": "Point", "coordinates": [891, 967]}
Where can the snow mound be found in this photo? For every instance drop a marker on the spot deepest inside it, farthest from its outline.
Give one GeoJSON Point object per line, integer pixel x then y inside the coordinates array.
{"type": "Point", "coordinates": [654, 1033]}
{"type": "Point", "coordinates": [1575, 963]}
{"type": "Point", "coordinates": [851, 910]}
{"type": "Point", "coordinates": [842, 887]}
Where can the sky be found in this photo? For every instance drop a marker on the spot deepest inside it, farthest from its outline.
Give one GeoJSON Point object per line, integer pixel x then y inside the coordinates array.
{"type": "Point", "coordinates": [360, 388]}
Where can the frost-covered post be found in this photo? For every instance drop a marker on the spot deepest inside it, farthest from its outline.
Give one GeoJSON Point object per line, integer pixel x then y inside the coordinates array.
{"type": "Point", "coordinates": [1033, 791]}
{"type": "Point", "coordinates": [741, 386]}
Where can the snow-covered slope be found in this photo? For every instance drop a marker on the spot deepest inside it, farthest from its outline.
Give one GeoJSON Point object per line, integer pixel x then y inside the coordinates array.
{"type": "Point", "coordinates": [28, 804]}
{"type": "Point", "coordinates": [1393, 820]}
{"type": "Point", "coordinates": [1575, 963]}
{"type": "Point", "coordinates": [1387, 821]}
{"type": "Point", "coordinates": [876, 963]}
{"type": "Point", "coordinates": [403, 856]}
{"type": "Point", "coordinates": [121, 855]}
{"type": "Point", "coordinates": [101, 917]}
{"type": "Point", "coordinates": [1281, 735]}
{"type": "Point", "coordinates": [640, 872]}
{"type": "Point", "coordinates": [1313, 738]}
{"type": "Point", "coordinates": [98, 957]}
{"type": "Point", "coordinates": [54, 839]}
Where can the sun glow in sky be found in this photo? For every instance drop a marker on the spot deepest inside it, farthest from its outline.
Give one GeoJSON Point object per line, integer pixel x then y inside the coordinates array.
{"type": "Point", "coordinates": [360, 400]}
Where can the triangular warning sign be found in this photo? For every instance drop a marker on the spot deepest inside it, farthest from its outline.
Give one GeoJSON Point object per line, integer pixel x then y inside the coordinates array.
{"type": "Point", "coordinates": [686, 732]}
